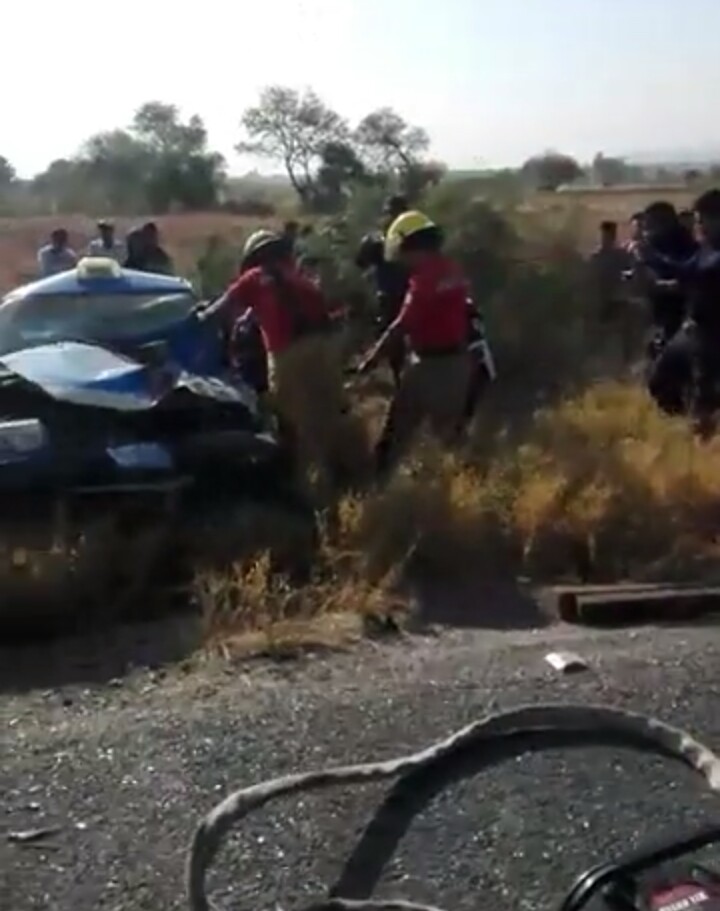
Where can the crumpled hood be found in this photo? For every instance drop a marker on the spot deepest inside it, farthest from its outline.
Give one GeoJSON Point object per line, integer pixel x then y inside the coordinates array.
{"type": "Point", "coordinates": [83, 374]}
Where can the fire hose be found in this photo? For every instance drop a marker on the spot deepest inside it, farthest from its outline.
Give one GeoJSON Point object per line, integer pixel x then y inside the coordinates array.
{"type": "Point", "coordinates": [419, 777]}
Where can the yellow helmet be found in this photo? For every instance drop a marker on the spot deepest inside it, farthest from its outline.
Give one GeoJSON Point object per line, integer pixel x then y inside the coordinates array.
{"type": "Point", "coordinates": [404, 226]}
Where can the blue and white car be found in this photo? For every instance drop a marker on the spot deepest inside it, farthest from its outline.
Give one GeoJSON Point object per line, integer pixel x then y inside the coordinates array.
{"type": "Point", "coordinates": [114, 389]}
{"type": "Point", "coordinates": [100, 339]}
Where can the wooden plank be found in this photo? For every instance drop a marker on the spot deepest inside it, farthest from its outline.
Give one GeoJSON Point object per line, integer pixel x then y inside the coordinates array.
{"type": "Point", "coordinates": [561, 601]}
{"type": "Point", "coordinates": [671, 604]}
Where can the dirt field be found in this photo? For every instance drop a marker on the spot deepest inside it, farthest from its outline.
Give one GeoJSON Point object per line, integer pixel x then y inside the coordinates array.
{"type": "Point", "coordinates": [621, 202]}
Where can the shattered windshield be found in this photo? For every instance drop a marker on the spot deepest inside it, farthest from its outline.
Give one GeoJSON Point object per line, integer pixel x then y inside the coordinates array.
{"type": "Point", "coordinates": [44, 319]}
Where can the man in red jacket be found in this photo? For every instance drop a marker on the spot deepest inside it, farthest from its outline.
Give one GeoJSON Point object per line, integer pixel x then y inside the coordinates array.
{"type": "Point", "coordinates": [305, 374]}
{"type": "Point", "coordinates": [286, 305]}
{"type": "Point", "coordinates": [434, 320]}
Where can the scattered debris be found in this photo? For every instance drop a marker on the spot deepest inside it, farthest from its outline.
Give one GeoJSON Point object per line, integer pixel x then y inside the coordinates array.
{"type": "Point", "coordinates": [566, 662]}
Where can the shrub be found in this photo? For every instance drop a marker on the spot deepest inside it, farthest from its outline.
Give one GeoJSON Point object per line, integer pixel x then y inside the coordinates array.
{"type": "Point", "coordinates": [216, 266]}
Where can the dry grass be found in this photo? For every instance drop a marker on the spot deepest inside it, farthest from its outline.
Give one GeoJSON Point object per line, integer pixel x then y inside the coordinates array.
{"type": "Point", "coordinates": [249, 610]}
{"type": "Point", "coordinates": [602, 486]}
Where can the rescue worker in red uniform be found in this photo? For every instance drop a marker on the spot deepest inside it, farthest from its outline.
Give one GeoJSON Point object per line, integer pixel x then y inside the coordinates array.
{"type": "Point", "coordinates": [434, 320]}
{"type": "Point", "coordinates": [304, 368]}
{"type": "Point", "coordinates": [285, 304]}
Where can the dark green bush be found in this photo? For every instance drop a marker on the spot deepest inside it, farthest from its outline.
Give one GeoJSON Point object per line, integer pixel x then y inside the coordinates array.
{"type": "Point", "coordinates": [216, 266]}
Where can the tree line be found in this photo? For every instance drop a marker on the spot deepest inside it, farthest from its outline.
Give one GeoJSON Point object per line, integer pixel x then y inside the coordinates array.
{"type": "Point", "coordinates": [161, 163]}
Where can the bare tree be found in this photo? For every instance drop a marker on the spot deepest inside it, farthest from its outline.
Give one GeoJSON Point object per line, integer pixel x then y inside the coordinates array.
{"type": "Point", "coordinates": [388, 142]}
{"type": "Point", "coordinates": [294, 129]}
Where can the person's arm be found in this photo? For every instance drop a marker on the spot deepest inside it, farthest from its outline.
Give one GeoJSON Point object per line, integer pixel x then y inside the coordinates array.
{"type": "Point", "coordinates": [642, 274]}
{"type": "Point", "coordinates": [236, 301]}
{"type": "Point", "coordinates": [399, 326]}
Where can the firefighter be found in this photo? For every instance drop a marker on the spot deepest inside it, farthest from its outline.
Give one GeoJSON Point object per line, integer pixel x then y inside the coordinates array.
{"type": "Point", "coordinates": [304, 368]}
{"type": "Point", "coordinates": [433, 320]}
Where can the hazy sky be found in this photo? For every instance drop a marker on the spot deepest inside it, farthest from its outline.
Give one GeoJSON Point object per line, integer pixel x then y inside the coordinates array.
{"type": "Point", "coordinates": [492, 80]}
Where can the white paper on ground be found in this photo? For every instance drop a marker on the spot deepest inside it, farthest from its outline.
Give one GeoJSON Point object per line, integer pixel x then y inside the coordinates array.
{"type": "Point", "coordinates": [565, 662]}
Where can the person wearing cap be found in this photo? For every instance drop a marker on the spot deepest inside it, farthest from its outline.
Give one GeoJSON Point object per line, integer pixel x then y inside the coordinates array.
{"type": "Point", "coordinates": [434, 320]}
{"type": "Point", "coordinates": [286, 305]}
{"type": "Point", "coordinates": [391, 280]}
{"type": "Point", "coordinates": [105, 244]}
{"type": "Point", "coordinates": [305, 375]}
{"type": "Point", "coordinates": [57, 256]}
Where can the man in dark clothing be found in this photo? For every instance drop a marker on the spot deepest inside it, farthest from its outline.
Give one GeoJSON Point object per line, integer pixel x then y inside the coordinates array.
{"type": "Point", "coordinates": [694, 354]}
{"type": "Point", "coordinates": [391, 281]}
{"type": "Point", "coordinates": [704, 312]}
{"type": "Point", "coordinates": [686, 375]}
{"type": "Point", "coordinates": [144, 252]}
{"type": "Point", "coordinates": [661, 263]}
{"type": "Point", "coordinates": [607, 265]}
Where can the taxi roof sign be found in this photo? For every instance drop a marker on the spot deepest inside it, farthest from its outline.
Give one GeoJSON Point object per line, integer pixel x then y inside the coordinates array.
{"type": "Point", "coordinates": [98, 267]}
{"type": "Point", "coordinates": [80, 281]}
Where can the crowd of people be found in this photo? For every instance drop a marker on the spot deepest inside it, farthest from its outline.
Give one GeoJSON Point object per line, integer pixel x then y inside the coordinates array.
{"type": "Point", "coordinates": [141, 250]}
{"type": "Point", "coordinates": [669, 272]}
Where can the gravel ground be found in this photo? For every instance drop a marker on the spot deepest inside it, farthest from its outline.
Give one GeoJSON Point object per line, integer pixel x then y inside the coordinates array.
{"type": "Point", "coordinates": [126, 767]}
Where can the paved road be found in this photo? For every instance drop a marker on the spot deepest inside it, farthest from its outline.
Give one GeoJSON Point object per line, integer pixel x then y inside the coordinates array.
{"type": "Point", "coordinates": [128, 768]}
